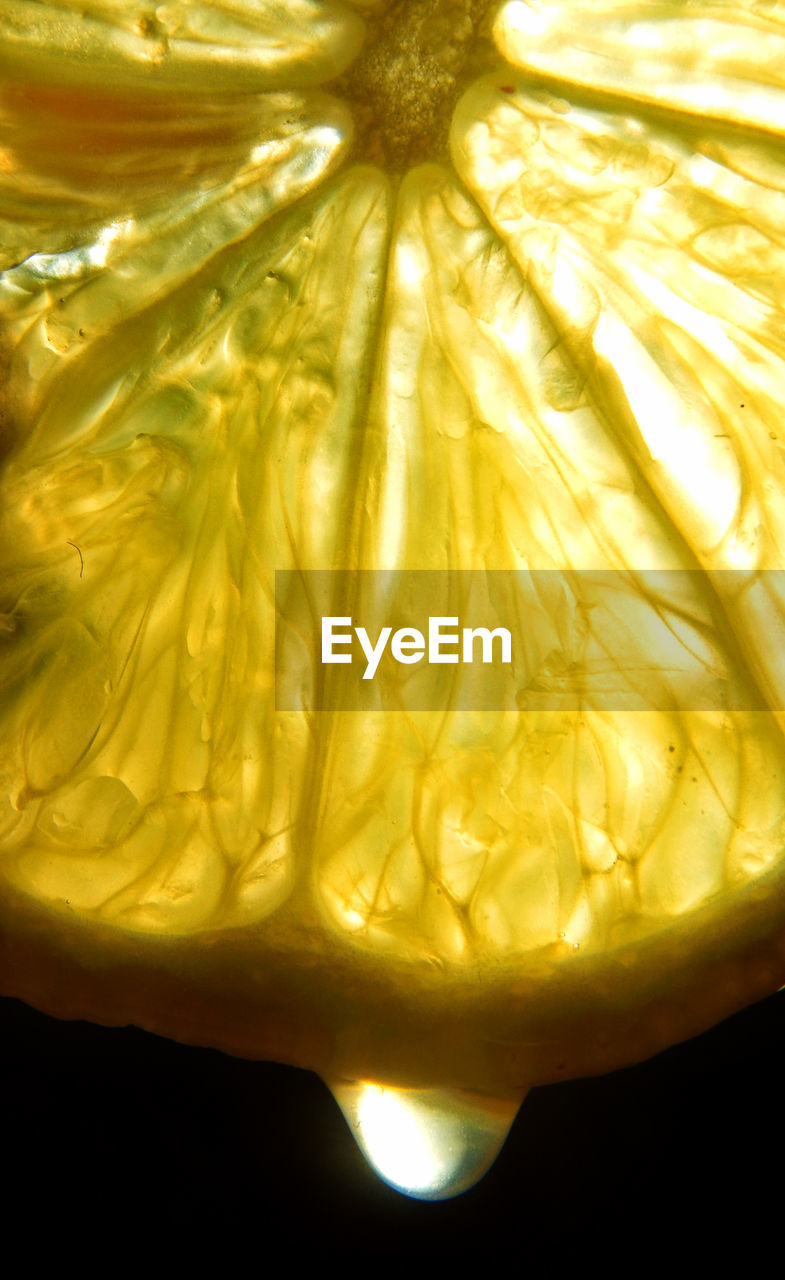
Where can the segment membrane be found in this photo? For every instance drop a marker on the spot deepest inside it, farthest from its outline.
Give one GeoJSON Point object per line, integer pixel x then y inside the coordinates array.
{"type": "Point", "coordinates": [487, 447]}
{"type": "Point", "coordinates": [629, 236]}
{"type": "Point", "coordinates": [725, 61]}
{"type": "Point", "coordinates": [210, 46]}
{"type": "Point", "coordinates": [141, 524]}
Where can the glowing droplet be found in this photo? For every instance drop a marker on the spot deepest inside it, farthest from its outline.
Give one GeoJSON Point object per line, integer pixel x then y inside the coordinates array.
{"type": "Point", "coordinates": [427, 1143]}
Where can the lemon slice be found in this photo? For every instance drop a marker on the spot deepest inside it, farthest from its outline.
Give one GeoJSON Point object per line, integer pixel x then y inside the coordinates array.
{"type": "Point", "coordinates": [443, 288]}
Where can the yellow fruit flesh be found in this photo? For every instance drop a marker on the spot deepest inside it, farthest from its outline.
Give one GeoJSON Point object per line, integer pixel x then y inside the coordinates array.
{"type": "Point", "coordinates": [307, 329]}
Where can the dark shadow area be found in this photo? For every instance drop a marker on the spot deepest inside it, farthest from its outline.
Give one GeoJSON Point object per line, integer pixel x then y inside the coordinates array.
{"type": "Point", "coordinates": [118, 1138]}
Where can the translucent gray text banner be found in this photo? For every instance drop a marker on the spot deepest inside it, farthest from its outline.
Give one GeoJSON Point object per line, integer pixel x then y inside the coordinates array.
{"type": "Point", "coordinates": [536, 640]}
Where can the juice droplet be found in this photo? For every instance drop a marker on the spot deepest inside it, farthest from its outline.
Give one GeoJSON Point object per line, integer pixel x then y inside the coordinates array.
{"type": "Point", "coordinates": [430, 1144]}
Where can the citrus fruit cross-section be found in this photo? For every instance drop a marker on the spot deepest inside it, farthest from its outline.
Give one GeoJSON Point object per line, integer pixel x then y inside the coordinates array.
{"type": "Point", "coordinates": [489, 292]}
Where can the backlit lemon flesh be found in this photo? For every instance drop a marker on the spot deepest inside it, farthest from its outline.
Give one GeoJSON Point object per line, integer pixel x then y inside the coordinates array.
{"type": "Point", "coordinates": [429, 285]}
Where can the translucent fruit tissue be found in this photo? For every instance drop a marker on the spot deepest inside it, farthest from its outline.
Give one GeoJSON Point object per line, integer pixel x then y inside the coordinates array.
{"type": "Point", "coordinates": [295, 292]}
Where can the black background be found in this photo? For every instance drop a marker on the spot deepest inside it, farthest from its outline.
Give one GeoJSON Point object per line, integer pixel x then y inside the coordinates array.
{"type": "Point", "coordinates": [116, 1138]}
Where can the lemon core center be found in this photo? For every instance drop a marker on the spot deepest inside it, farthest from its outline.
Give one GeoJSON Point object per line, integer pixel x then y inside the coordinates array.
{"type": "Point", "coordinates": [417, 58]}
